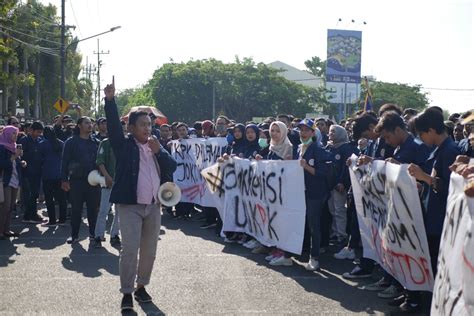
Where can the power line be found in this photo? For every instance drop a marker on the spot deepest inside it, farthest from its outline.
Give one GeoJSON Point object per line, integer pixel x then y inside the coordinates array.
{"type": "Point", "coordinates": [45, 50]}
{"type": "Point", "coordinates": [75, 18]}
{"type": "Point", "coordinates": [29, 35]}
{"type": "Point", "coordinates": [448, 89]}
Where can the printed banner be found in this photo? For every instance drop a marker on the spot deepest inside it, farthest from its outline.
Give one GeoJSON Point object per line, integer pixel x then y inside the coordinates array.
{"type": "Point", "coordinates": [344, 56]}
{"type": "Point", "coordinates": [391, 222]}
{"type": "Point", "coordinates": [192, 156]}
{"type": "Point", "coordinates": [264, 199]}
{"type": "Point", "coordinates": [453, 292]}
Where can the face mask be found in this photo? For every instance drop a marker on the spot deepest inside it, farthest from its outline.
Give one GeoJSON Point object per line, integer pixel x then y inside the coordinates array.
{"type": "Point", "coordinates": [263, 143]}
{"type": "Point", "coordinates": [309, 141]}
{"type": "Point", "coordinates": [220, 129]}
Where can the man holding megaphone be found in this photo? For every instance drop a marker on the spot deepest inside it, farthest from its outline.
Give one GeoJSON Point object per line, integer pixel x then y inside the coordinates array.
{"type": "Point", "coordinates": [141, 165]}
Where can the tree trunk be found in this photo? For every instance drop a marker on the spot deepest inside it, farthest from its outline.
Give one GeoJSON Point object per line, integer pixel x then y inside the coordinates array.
{"type": "Point", "coordinates": [37, 89]}
{"type": "Point", "coordinates": [26, 87]}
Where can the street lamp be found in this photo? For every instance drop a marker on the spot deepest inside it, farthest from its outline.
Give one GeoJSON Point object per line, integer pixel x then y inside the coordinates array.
{"type": "Point", "coordinates": [64, 54]}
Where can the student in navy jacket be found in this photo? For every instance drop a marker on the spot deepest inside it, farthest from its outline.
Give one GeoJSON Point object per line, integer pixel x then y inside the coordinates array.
{"type": "Point", "coordinates": [51, 149]}
{"type": "Point", "coordinates": [141, 165]}
{"type": "Point", "coordinates": [31, 177]}
{"type": "Point", "coordinates": [340, 150]}
{"type": "Point", "coordinates": [430, 127]}
{"type": "Point", "coordinates": [252, 133]}
{"type": "Point", "coordinates": [314, 161]}
{"type": "Point", "coordinates": [10, 167]}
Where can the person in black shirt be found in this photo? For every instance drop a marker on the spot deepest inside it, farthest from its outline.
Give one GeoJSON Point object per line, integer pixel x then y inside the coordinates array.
{"type": "Point", "coordinates": [102, 129]}
{"type": "Point", "coordinates": [78, 160]}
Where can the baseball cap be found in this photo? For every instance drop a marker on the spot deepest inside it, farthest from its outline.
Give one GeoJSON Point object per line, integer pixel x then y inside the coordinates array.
{"type": "Point", "coordinates": [308, 123]}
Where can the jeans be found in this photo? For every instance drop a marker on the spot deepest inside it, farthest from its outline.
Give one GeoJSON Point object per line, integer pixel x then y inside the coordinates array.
{"type": "Point", "coordinates": [30, 192]}
{"type": "Point", "coordinates": [53, 193]}
{"type": "Point", "coordinates": [82, 191]}
{"type": "Point", "coordinates": [313, 216]}
{"type": "Point", "coordinates": [140, 226]}
{"type": "Point", "coordinates": [102, 217]}
{"type": "Point", "coordinates": [6, 208]}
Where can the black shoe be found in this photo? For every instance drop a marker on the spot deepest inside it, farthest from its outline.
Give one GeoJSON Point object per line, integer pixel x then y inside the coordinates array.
{"type": "Point", "coordinates": [409, 307]}
{"type": "Point", "coordinates": [11, 234]}
{"type": "Point", "coordinates": [115, 241]}
{"type": "Point", "coordinates": [72, 240]}
{"type": "Point", "coordinates": [142, 296]}
{"type": "Point", "coordinates": [61, 222]}
{"type": "Point", "coordinates": [98, 242]}
{"type": "Point", "coordinates": [127, 302]}
{"type": "Point", "coordinates": [207, 226]}
{"type": "Point", "coordinates": [397, 301]}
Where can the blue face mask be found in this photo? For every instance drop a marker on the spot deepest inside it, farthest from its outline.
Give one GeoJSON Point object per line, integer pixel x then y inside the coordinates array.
{"type": "Point", "coordinates": [263, 143]}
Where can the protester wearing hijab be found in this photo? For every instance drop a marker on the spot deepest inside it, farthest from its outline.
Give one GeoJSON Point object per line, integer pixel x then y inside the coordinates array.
{"type": "Point", "coordinates": [239, 143]}
{"type": "Point", "coordinates": [341, 150]}
{"type": "Point", "coordinates": [280, 146]}
{"type": "Point", "coordinates": [10, 166]}
{"type": "Point", "coordinates": [252, 133]}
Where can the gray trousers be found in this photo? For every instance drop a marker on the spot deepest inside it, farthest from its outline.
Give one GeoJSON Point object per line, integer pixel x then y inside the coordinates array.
{"type": "Point", "coordinates": [140, 228]}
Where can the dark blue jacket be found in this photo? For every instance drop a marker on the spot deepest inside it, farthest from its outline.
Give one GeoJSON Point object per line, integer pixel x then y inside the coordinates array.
{"type": "Point", "coordinates": [378, 149]}
{"type": "Point", "coordinates": [317, 185]}
{"type": "Point", "coordinates": [51, 162]}
{"type": "Point", "coordinates": [124, 190]}
{"type": "Point", "coordinates": [78, 158]}
{"type": "Point", "coordinates": [413, 151]}
{"type": "Point", "coordinates": [339, 156]}
{"type": "Point", "coordinates": [6, 165]}
{"type": "Point", "coordinates": [465, 147]}
{"type": "Point", "coordinates": [442, 157]}
{"type": "Point", "coordinates": [32, 156]}
{"type": "Point", "coordinates": [252, 150]}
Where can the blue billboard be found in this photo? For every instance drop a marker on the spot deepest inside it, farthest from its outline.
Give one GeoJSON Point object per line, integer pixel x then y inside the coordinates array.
{"type": "Point", "coordinates": [344, 56]}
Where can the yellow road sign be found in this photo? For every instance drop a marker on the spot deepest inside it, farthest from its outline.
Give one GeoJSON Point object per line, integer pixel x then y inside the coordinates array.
{"type": "Point", "coordinates": [61, 105]}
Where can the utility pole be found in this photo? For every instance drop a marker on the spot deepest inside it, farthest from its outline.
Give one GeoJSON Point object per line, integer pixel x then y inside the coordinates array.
{"type": "Point", "coordinates": [99, 64]}
{"type": "Point", "coordinates": [63, 48]}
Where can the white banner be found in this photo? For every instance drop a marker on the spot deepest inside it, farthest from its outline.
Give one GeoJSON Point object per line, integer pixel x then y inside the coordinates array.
{"type": "Point", "coordinates": [192, 156]}
{"type": "Point", "coordinates": [391, 222]}
{"type": "Point", "coordinates": [264, 199]}
{"type": "Point", "coordinates": [454, 285]}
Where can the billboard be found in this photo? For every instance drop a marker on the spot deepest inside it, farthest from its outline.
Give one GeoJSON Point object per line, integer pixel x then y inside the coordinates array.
{"type": "Point", "coordinates": [344, 56]}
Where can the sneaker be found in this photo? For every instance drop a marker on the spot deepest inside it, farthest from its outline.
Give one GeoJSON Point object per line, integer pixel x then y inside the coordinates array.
{"type": "Point", "coordinates": [127, 302]}
{"type": "Point", "coordinates": [345, 253]}
{"type": "Point", "coordinates": [242, 240]}
{"type": "Point", "coordinates": [390, 292]}
{"type": "Point", "coordinates": [229, 240]}
{"type": "Point", "coordinates": [260, 250]}
{"type": "Point", "coordinates": [252, 244]}
{"type": "Point", "coordinates": [312, 265]}
{"type": "Point", "coordinates": [357, 273]}
{"type": "Point", "coordinates": [380, 285]}
{"type": "Point", "coordinates": [142, 296]}
{"type": "Point", "coordinates": [409, 306]}
{"type": "Point", "coordinates": [115, 241]}
{"type": "Point", "coordinates": [281, 261]}
{"type": "Point", "coordinates": [270, 257]}
{"type": "Point", "coordinates": [97, 242]}
{"type": "Point", "coordinates": [207, 226]}
{"type": "Point", "coordinates": [397, 301]}
{"type": "Point", "coordinates": [72, 240]}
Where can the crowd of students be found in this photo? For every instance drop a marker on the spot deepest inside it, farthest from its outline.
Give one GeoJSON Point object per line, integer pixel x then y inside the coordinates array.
{"type": "Point", "coordinates": [55, 160]}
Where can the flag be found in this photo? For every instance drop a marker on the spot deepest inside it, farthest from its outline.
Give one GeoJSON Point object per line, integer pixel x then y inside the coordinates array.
{"type": "Point", "coordinates": [368, 97]}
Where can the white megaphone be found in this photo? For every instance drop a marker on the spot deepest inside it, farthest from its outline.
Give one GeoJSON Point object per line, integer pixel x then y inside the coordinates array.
{"type": "Point", "coordinates": [94, 178]}
{"type": "Point", "coordinates": [169, 194]}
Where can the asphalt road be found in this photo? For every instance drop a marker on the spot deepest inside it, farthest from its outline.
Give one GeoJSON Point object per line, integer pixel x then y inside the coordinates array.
{"type": "Point", "coordinates": [195, 273]}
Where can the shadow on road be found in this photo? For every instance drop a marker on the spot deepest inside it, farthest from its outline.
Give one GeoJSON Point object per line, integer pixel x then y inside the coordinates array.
{"type": "Point", "coordinates": [80, 260]}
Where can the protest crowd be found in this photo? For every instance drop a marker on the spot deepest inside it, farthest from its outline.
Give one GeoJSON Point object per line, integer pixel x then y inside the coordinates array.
{"type": "Point", "coordinates": [51, 162]}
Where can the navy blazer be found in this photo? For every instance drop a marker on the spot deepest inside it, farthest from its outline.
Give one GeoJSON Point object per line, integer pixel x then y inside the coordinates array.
{"type": "Point", "coordinates": [6, 165]}
{"type": "Point", "coordinates": [317, 185]}
{"type": "Point", "coordinates": [339, 156]}
{"type": "Point", "coordinates": [442, 157]}
{"type": "Point", "coordinates": [124, 190]}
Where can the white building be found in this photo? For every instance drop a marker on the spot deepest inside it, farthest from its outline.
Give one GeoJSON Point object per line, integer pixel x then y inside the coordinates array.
{"type": "Point", "coordinates": [299, 76]}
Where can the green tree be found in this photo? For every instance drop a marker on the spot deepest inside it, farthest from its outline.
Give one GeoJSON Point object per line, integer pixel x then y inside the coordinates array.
{"type": "Point", "coordinates": [407, 96]}
{"type": "Point", "coordinates": [243, 89]}
{"type": "Point", "coordinates": [316, 66]}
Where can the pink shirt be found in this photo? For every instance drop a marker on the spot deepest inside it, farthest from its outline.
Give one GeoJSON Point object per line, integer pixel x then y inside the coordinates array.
{"type": "Point", "coordinates": [148, 178]}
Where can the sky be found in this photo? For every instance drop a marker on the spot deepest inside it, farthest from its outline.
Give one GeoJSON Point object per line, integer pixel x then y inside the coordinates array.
{"type": "Point", "coordinates": [407, 41]}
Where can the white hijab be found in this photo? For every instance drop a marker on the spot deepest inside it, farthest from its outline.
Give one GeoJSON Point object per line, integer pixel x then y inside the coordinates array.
{"type": "Point", "coordinates": [283, 148]}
